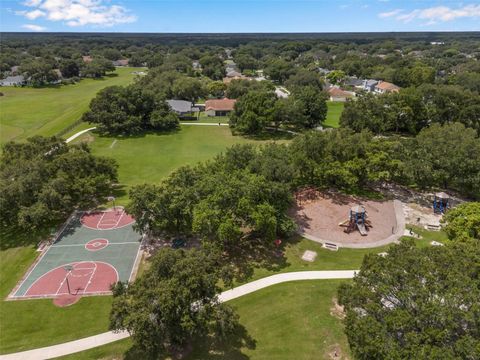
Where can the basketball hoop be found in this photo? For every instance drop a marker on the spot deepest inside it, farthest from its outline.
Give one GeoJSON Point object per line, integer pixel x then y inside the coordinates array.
{"type": "Point", "coordinates": [68, 269]}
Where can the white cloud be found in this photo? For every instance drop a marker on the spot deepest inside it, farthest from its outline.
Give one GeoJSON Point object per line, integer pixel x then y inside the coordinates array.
{"type": "Point", "coordinates": [33, 27]}
{"type": "Point", "coordinates": [32, 15]}
{"type": "Point", "coordinates": [390, 13]}
{"type": "Point", "coordinates": [434, 14]}
{"type": "Point", "coordinates": [78, 12]}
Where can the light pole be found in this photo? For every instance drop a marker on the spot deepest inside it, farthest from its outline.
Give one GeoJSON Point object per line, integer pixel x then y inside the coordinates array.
{"type": "Point", "coordinates": [68, 269]}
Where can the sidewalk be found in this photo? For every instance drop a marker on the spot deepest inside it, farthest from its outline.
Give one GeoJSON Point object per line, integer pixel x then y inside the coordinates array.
{"type": "Point", "coordinates": [72, 347]}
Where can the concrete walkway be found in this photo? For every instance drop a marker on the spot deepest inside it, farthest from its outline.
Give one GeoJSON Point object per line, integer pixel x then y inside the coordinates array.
{"type": "Point", "coordinates": [72, 347]}
{"type": "Point", "coordinates": [203, 124]}
{"type": "Point", "coordinates": [74, 136]}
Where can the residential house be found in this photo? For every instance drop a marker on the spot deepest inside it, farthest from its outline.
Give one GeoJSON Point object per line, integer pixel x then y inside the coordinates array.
{"type": "Point", "coordinates": [385, 87]}
{"type": "Point", "coordinates": [196, 65]}
{"type": "Point", "coordinates": [281, 92]}
{"type": "Point", "coordinates": [16, 80]}
{"type": "Point", "coordinates": [182, 107]}
{"type": "Point", "coordinates": [87, 59]}
{"type": "Point", "coordinates": [369, 85]}
{"type": "Point", "coordinates": [234, 73]}
{"type": "Point", "coordinates": [354, 82]}
{"type": "Point", "coordinates": [337, 94]}
{"type": "Point", "coordinates": [219, 107]}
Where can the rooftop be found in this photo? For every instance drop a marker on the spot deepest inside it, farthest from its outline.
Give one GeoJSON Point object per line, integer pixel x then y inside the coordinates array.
{"type": "Point", "coordinates": [220, 104]}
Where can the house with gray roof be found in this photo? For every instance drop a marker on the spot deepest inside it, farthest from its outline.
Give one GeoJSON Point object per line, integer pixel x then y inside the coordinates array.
{"type": "Point", "coordinates": [17, 80]}
{"type": "Point", "coordinates": [369, 85]}
{"type": "Point", "coordinates": [181, 107]}
{"type": "Point", "coordinates": [354, 82]}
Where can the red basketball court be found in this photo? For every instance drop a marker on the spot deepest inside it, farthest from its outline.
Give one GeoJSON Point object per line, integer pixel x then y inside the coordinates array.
{"type": "Point", "coordinates": [85, 278]}
{"type": "Point", "coordinates": [107, 220]}
{"type": "Point", "coordinates": [93, 251]}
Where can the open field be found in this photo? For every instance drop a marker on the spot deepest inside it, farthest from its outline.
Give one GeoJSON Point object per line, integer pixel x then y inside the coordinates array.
{"type": "Point", "coordinates": [152, 157]}
{"type": "Point", "coordinates": [285, 321]}
{"type": "Point", "coordinates": [46, 111]}
{"type": "Point", "coordinates": [333, 115]}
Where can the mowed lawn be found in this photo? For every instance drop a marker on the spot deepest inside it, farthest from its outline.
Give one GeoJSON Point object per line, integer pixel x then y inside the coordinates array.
{"type": "Point", "coordinates": [46, 111]}
{"type": "Point", "coordinates": [286, 321]}
{"type": "Point", "coordinates": [152, 157]}
{"type": "Point", "coordinates": [333, 115]}
{"type": "Point", "coordinates": [28, 324]}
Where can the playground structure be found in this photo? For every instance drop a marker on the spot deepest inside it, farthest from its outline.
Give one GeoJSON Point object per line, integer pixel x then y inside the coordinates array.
{"type": "Point", "coordinates": [357, 221]}
{"type": "Point", "coordinates": [318, 216]}
{"type": "Point", "coordinates": [441, 203]}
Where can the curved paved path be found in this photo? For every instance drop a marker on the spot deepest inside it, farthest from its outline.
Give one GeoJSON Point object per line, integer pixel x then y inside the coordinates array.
{"type": "Point", "coordinates": [74, 136]}
{"type": "Point", "coordinates": [108, 337]}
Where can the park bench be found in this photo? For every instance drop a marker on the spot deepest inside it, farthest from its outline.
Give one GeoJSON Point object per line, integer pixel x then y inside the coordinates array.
{"type": "Point", "coordinates": [330, 246]}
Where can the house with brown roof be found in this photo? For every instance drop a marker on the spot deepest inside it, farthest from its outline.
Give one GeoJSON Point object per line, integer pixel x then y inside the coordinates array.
{"type": "Point", "coordinates": [337, 94]}
{"type": "Point", "coordinates": [219, 107]}
{"type": "Point", "coordinates": [385, 87]}
{"type": "Point", "coordinates": [87, 59]}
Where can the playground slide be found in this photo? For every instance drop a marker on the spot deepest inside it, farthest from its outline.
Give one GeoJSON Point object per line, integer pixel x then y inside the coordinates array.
{"type": "Point", "coordinates": [344, 223]}
{"type": "Point", "coordinates": [362, 229]}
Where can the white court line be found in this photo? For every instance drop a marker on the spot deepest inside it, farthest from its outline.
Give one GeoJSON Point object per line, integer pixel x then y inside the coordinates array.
{"type": "Point", "coordinates": [99, 221]}
{"type": "Point", "coordinates": [90, 279]}
{"type": "Point", "coordinates": [109, 243]}
{"type": "Point", "coordinates": [61, 284]}
{"type": "Point", "coordinates": [120, 218]}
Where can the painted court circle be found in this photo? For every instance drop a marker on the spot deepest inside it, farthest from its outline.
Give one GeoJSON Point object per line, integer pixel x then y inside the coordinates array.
{"type": "Point", "coordinates": [84, 278]}
{"type": "Point", "coordinates": [107, 220]}
{"type": "Point", "coordinates": [96, 244]}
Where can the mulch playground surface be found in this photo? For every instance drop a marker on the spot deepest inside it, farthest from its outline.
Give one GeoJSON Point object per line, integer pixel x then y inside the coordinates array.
{"type": "Point", "coordinates": [93, 251]}
{"type": "Point", "coordinates": [319, 214]}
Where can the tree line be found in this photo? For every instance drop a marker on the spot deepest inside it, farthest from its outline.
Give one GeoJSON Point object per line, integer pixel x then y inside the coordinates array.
{"type": "Point", "coordinates": [413, 109]}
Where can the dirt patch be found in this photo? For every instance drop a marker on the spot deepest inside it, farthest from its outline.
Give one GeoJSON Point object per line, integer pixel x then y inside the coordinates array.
{"type": "Point", "coordinates": [421, 216]}
{"type": "Point", "coordinates": [86, 138]}
{"type": "Point", "coordinates": [66, 300]}
{"type": "Point", "coordinates": [337, 310]}
{"type": "Point", "coordinates": [335, 353]}
{"type": "Point", "coordinates": [319, 215]}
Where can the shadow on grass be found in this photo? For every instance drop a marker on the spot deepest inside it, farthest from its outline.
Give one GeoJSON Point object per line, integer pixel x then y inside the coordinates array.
{"type": "Point", "coordinates": [269, 135]}
{"type": "Point", "coordinates": [12, 237]}
{"type": "Point", "coordinates": [208, 348]}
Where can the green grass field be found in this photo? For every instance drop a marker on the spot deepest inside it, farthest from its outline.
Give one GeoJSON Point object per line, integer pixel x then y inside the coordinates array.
{"type": "Point", "coordinates": [150, 158]}
{"type": "Point", "coordinates": [46, 111]}
{"type": "Point", "coordinates": [333, 115]}
{"type": "Point", "coordinates": [285, 321]}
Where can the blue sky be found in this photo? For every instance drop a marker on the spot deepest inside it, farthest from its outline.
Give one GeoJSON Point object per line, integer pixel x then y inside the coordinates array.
{"type": "Point", "coordinates": [238, 16]}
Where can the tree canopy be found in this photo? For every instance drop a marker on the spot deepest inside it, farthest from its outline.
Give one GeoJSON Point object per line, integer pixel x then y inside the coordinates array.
{"type": "Point", "coordinates": [463, 221]}
{"type": "Point", "coordinates": [44, 180]}
{"type": "Point", "coordinates": [173, 303]}
{"type": "Point", "coordinates": [129, 110]}
{"type": "Point", "coordinates": [415, 303]}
